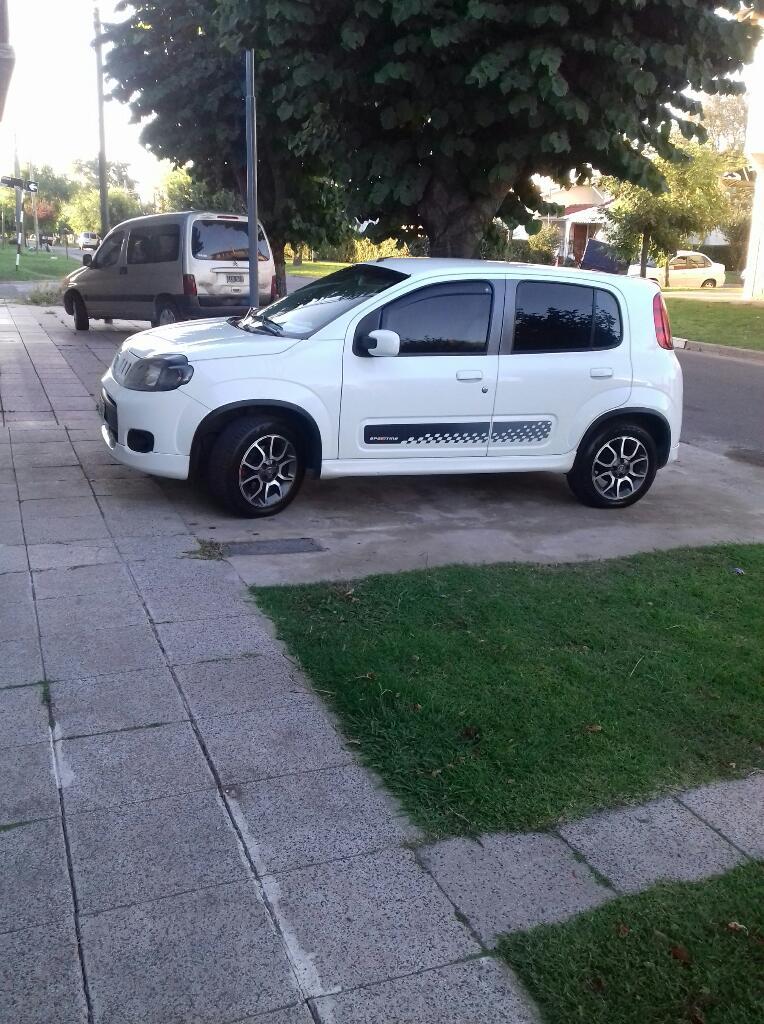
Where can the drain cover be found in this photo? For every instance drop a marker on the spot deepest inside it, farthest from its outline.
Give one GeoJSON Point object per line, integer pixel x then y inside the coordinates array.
{"type": "Point", "coordinates": [284, 546]}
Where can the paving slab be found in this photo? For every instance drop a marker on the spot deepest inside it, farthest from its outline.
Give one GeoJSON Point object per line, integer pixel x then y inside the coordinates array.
{"type": "Point", "coordinates": [636, 847]}
{"type": "Point", "coordinates": [504, 883]}
{"type": "Point", "coordinates": [101, 607]}
{"type": "Point", "coordinates": [17, 616]}
{"type": "Point", "coordinates": [132, 766]}
{"type": "Point", "coordinates": [122, 700]}
{"type": "Point", "coordinates": [178, 572]}
{"type": "Point", "coordinates": [291, 1015]}
{"type": "Point", "coordinates": [133, 853]}
{"type": "Point", "coordinates": [27, 784]}
{"type": "Point", "coordinates": [40, 976]}
{"type": "Point", "coordinates": [34, 877]}
{"type": "Point", "coordinates": [139, 549]}
{"type": "Point", "coordinates": [237, 685]}
{"type": "Point", "coordinates": [11, 532]}
{"type": "Point", "coordinates": [209, 600]}
{"type": "Point", "coordinates": [69, 555]}
{"type": "Point", "coordinates": [65, 530]}
{"type": "Point", "coordinates": [71, 581]}
{"type": "Point", "coordinates": [366, 919]}
{"type": "Point", "coordinates": [36, 455]}
{"type": "Point", "coordinates": [23, 716]}
{"type": "Point", "coordinates": [296, 736]}
{"type": "Point", "coordinates": [88, 651]}
{"type": "Point", "coordinates": [736, 809]}
{"type": "Point", "coordinates": [480, 991]}
{"type": "Point", "coordinates": [60, 508]}
{"type": "Point", "coordinates": [13, 558]}
{"type": "Point", "coordinates": [305, 819]}
{"type": "Point", "coordinates": [20, 662]}
{"type": "Point", "coordinates": [201, 958]}
{"type": "Point", "coordinates": [211, 639]}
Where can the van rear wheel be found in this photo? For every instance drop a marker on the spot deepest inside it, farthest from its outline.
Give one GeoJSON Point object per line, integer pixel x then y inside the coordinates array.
{"type": "Point", "coordinates": [256, 466]}
{"type": "Point", "coordinates": [79, 309]}
{"type": "Point", "coordinates": [615, 467]}
{"type": "Point", "coordinates": [166, 313]}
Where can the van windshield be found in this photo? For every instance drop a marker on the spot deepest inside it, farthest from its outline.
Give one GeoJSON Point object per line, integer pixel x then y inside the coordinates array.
{"type": "Point", "coordinates": [225, 240]}
{"type": "Point", "coordinates": [307, 310]}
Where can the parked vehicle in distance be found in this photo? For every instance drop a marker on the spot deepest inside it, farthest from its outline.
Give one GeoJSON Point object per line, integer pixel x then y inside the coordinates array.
{"type": "Point", "coordinates": [170, 267]}
{"type": "Point", "coordinates": [686, 270]}
{"type": "Point", "coordinates": [408, 366]}
{"type": "Point", "coordinates": [87, 240]}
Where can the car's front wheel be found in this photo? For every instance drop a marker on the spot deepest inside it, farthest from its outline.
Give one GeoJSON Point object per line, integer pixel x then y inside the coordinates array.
{"type": "Point", "coordinates": [615, 467]}
{"type": "Point", "coordinates": [256, 466]}
{"type": "Point", "coordinates": [710, 283]}
{"type": "Point", "coordinates": [79, 309]}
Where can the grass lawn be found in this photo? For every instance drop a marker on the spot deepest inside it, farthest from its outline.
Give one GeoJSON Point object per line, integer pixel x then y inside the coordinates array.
{"type": "Point", "coordinates": [34, 266]}
{"type": "Point", "coordinates": [677, 954]}
{"type": "Point", "coordinates": [513, 696]}
{"type": "Point", "coordinates": [722, 323]}
{"type": "Point", "coordinates": [317, 269]}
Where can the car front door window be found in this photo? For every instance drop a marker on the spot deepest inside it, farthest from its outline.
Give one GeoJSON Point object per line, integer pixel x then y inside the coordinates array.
{"type": "Point", "coordinates": [108, 253]}
{"type": "Point", "coordinates": [443, 320]}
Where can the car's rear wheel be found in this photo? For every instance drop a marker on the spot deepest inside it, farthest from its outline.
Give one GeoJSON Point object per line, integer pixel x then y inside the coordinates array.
{"type": "Point", "coordinates": [256, 466]}
{"type": "Point", "coordinates": [80, 312]}
{"type": "Point", "coordinates": [166, 313]}
{"type": "Point", "coordinates": [615, 467]}
{"type": "Point", "coordinates": [710, 283]}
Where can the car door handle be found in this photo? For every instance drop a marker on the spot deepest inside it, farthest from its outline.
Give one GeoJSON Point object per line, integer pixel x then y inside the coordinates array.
{"type": "Point", "coordinates": [469, 374]}
{"type": "Point", "coordinates": [601, 371]}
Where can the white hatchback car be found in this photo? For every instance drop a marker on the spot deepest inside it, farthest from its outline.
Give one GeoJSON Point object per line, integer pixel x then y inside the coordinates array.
{"type": "Point", "coordinates": [687, 269]}
{"type": "Point", "coordinates": [408, 366]}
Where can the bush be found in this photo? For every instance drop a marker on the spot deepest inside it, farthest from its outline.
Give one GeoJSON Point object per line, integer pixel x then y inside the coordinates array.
{"type": "Point", "coordinates": [544, 244]}
{"type": "Point", "coordinates": [358, 249]}
{"type": "Point", "coordinates": [49, 296]}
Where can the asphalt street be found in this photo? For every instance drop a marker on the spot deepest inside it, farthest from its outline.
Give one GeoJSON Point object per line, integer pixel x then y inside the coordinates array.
{"type": "Point", "coordinates": [724, 404]}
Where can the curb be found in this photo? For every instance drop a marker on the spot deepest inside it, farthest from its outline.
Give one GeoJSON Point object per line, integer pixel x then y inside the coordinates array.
{"type": "Point", "coordinates": [720, 350]}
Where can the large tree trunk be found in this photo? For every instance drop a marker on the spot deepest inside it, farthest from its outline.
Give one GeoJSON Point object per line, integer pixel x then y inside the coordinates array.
{"type": "Point", "coordinates": [297, 261]}
{"type": "Point", "coordinates": [277, 248]}
{"type": "Point", "coordinates": [455, 221]}
{"type": "Point", "coordinates": [644, 254]}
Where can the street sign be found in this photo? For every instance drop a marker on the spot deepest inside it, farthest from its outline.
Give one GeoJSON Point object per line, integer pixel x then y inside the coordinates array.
{"type": "Point", "coordinates": [30, 186]}
{"type": "Point", "coordinates": [27, 186]}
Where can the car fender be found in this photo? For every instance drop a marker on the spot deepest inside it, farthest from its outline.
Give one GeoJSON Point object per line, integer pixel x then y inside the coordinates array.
{"type": "Point", "coordinates": [593, 409]}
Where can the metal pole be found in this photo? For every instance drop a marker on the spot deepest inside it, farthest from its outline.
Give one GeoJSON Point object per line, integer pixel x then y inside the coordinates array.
{"type": "Point", "coordinates": [102, 184]}
{"type": "Point", "coordinates": [34, 214]}
{"type": "Point", "coordinates": [19, 211]}
{"type": "Point", "coordinates": [254, 229]}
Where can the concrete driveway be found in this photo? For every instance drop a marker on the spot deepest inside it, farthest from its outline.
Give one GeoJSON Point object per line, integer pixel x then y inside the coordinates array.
{"type": "Point", "coordinates": [339, 529]}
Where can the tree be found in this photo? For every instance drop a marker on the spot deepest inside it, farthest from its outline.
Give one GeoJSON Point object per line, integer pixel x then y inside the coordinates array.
{"type": "Point", "coordinates": [83, 211]}
{"type": "Point", "coordinates": [181, 192]}
{"type": "Point", "coordinates": [736, 222]}
{"type": "Point", "coordinates": [725, 119]}
{"type": "Point", "coordinates": [168, 63]}
{"type": "Point", "coordinates": [693, 202]}
{"type": "Point", "coordinates": [439, 114]}
{"type": "Point", "coordinates": [117, 174]}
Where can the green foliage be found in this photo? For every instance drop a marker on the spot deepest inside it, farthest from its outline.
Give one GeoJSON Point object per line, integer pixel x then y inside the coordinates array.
{"type": "Point", "coordinates": [83, 211]}
{"type": "Point", "coordinates": [168, 64]}
{"type": "Point", "coordinates": [117, 174]}
{"type": "Point", "coordinates": [736, 221]}
{"type": "Point", "coordinates": [544, 244]}
{"type": "Point", "coordinates": [357, 249]}
{"type": "Point", "coordinates": [691, 203]}
{"type": "Point", "coordinates": [181, 192]}
{"type": "Point", "coordinates": [497, 244]}
{"type": "Point", "coordinates": [438, 115]}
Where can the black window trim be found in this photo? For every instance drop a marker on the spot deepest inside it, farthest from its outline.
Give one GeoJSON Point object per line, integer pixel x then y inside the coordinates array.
{"type": "Point", "coordinates": [510, 304]}
{"type": "Point", "coordinates": [372, 319]}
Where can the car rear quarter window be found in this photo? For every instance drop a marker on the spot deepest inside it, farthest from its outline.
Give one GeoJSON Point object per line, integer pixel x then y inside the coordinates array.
{"type": "Point", "coordinates": [443, 320]}
{"type": "Point", "coordinates": [159, 244]}
{"type": "Point", "coordinates": [556, 317]}
{"type": "Point", "coordinates": [225, 240]}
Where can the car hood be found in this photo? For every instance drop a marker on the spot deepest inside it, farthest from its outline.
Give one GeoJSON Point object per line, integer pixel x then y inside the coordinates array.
{"type": "Point", "coordinates": [206, 339]}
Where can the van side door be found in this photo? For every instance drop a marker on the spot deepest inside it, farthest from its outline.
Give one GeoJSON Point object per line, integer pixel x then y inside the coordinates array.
{"type": "Point", "coordinates": [152, 268]}
{"type": "Point", "coordinates": [99, 286]}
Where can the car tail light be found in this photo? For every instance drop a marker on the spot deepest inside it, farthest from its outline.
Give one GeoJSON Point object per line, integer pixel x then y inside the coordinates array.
{"type": "Point", "coordinates": [662, 325]}
{"type": "Point", "coordinates": [189, 284]}
{"type": "Point", "coordinates": [274, 289]}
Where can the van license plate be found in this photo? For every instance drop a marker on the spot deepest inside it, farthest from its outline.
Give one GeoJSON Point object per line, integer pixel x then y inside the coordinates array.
{"type": "Point", "coordinates": [234, 279]}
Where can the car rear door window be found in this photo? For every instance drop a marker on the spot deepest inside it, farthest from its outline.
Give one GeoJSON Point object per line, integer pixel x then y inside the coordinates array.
{"type": "Point", "coordinates": [443, 320]}
{"type": "Point", "coordinates": [555, 317]}
{"type": "Point", "coordinates": [155, 244]}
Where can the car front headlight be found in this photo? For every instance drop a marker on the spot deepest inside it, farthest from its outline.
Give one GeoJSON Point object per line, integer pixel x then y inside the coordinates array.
{"type": "Point", "coordinates": [158, 373]}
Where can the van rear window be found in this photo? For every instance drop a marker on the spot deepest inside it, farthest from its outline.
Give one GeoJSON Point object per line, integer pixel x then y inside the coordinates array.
{"type": "Point", "coordinates": [225, 240]}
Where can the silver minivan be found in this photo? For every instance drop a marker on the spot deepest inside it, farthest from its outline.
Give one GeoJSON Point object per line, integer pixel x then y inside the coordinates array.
{"type": "Point", "coordinates": [170, 267]}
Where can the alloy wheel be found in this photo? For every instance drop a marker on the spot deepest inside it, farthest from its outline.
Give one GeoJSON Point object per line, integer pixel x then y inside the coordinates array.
{"type": "Point", "coordinates": [268, 470]}
{"type": "Point", "coordinates": [620, 468]}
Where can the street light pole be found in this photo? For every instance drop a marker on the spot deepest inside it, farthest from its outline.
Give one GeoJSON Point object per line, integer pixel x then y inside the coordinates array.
{"type": "Point", "coordinates": [102, 184]}
{"type": "Point", "coordinates": [19, 208]}
{"type": "Point", "coordinates": [254, 227]}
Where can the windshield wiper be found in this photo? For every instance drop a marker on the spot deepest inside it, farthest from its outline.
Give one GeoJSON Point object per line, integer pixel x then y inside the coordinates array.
{"type": "Point", "coordinates": [268, 325]}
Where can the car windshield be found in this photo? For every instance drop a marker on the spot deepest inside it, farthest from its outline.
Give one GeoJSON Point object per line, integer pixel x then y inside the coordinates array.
{"type": "Point", "coordinates": [307, 310]}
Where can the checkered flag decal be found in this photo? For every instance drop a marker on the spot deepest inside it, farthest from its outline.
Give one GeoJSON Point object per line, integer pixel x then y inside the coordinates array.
{"type": "Point", "coordinates": [521, 432]}
{"type": "Point", "coordinates": [466, 436]}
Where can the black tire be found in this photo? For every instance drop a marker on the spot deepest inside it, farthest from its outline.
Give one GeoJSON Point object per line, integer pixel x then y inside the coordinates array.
{"type": "Point", "coordinates": [80, 312]}
{"type": "Point", "coordinates": [710, 283]}
{"type": "Point", "coordinates": [633, 454]}
{"type": "Point", "coordinates": [166, 313]}
{"type": "Point", "coordinates": [249, 437]}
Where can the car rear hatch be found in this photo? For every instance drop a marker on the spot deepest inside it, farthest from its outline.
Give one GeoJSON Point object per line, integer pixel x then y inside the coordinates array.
{"type": "Point", "coordinates": [220, 259]}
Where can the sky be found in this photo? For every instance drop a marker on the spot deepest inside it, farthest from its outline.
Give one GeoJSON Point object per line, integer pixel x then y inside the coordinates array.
{"type": "Point", "coordinates": [52, 103]}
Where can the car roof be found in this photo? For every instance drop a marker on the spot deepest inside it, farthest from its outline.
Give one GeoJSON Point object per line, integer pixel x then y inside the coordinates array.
{"type": "Point", "coordinates": [426, 266]}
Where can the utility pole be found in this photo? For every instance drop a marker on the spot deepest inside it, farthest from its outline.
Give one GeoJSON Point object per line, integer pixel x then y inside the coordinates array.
{"type": "Point", "coordinates": [34, 214]}
{"type": "Point", "coordinates": [102, 183]}
{"type": "Point", "coordinates": [19, 207]}
{"type": "Point", "coordinates": [254, 228]}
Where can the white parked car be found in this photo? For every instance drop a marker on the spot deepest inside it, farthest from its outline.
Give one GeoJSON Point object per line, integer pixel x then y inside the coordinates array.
{"type": "Point", "coordinates": [87, 240]}
{"type": "Point", "coordinates": [408, 366]}
{"type": "Point", "coordinates": [686, 270]}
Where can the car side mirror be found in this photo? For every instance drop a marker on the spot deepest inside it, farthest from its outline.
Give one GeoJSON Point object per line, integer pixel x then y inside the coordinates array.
{"type": "Point", "coordinates": [383, 343]}
{"type": "Point", "coordinates": [87, 259]}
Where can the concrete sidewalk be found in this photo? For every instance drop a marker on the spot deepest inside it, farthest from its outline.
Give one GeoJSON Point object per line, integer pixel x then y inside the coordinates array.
{"type": "Point", "coordinates": [184, 835]}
